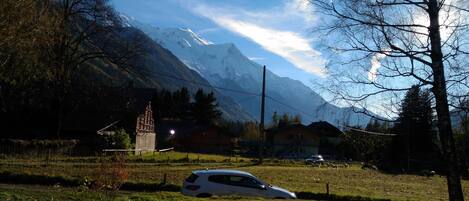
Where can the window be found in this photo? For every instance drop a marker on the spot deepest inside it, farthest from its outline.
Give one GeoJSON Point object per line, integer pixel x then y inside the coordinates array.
{"type": "Point", "coordinates": [192, 178]}
{"type": "Point", "coordinates": [244, 182]}
{"type": "Point", "coordinates": [221, 179]}
{"type": "Point", "coordinates": [235, 181]}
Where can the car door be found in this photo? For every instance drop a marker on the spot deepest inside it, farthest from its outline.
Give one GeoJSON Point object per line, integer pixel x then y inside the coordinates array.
{"type": "Point", "coordinates": [245, 186]}
{"type": "Point", "coordinates": [218, 185]}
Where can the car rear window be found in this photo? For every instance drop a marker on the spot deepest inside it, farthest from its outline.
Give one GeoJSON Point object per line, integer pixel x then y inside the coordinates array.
{"type": "Point", "coordinates": [218, 178]}
{"type": "Point", "coordinates": [192, 178]}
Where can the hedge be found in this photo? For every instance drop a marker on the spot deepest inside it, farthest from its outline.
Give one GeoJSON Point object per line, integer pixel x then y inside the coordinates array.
{"type": "Point", "coordinates": [13, 178]}
{"type": "Point", "coordinates": [141, 186]}
{"type": "Point", "coordinates": [335, 197]}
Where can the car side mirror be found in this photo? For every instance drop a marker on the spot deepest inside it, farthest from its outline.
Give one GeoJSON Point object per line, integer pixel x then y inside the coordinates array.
{"type": "Point", "coordinates": [262, 187]}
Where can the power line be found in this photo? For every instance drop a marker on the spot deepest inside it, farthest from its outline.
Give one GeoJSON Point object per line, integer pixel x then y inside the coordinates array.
{"type": "Point", "coordinates": [233, 90]}
{"type": "Point", "coordinates": [369, 132]}
{"type": "Point", "coordinates": [269, 97]}
{"type": "Point", "coordinates": [289, 106]}
{"type": "Point", "coordinates": [236, 91]}
{"type": "Point", "coordinates": [206, 85]}
{"type": "Point", "coordinates": [245, 99]}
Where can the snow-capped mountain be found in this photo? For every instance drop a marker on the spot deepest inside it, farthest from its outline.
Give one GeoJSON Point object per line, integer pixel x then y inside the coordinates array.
{"type": "Point", "coordinates": [238, 77]}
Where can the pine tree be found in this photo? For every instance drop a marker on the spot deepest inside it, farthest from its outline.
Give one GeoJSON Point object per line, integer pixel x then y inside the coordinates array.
{"type": "Point", "coordinates": [415, 126]}
{"type": "Point", "coordinates": [181, 103]}
{"type": "Point", "coordinates": [284, 120]}
{"type": "Point", "coordinates": [204, 109]}
{"type": "Point", "coordinates": [275, 120]}
{"type": "Point", "coordinates": [296, 119]}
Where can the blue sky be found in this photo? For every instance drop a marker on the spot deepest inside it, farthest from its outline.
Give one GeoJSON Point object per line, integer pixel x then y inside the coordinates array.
{"type": "Point", "coordinates": [271, 32]}
{"type": "Point", "coordinates": [277, 33]}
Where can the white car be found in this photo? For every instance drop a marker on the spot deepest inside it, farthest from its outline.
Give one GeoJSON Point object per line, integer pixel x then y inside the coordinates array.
{"type": "Point", "coordinates": [315, 159]}
{"type": "Point", "coordinates": [205, 183]}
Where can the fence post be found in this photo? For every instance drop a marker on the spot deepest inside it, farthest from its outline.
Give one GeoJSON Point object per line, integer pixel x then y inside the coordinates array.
{"type": "Point", "coordinates": [327, 188]}
{"type": "Point", "coordinates": [164, 178]}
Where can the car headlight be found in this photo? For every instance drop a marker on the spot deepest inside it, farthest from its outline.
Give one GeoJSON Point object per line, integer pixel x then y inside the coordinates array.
{"type": "Point", "coordinates": [293, 195]}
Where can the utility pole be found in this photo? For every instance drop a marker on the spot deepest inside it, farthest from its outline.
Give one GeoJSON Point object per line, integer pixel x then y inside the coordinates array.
{"type": "Point", "coordinates": [261, 125]}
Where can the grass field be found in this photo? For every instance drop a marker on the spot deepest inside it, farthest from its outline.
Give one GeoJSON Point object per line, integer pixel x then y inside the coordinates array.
{"type": "Point", "coordinates": [295, 177]}
{"type": "Point", "coordinates": [29, 193]}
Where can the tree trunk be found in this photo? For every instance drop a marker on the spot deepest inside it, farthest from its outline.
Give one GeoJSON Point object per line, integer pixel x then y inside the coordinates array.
{"type": "Point", "coordinates": [441, 98]}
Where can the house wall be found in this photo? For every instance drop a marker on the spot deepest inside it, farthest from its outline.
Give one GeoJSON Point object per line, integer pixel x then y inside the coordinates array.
{"type": "Point", "coordinates": [145, 137]}
{"type": "Point", "coordinates": [286, 151]}
{"type": "Point", "coordinates": [294, 143]}
{"type": "Point", "coordinates": [145, 142]}
{"type": "Point", "coordinates": [209, 140]}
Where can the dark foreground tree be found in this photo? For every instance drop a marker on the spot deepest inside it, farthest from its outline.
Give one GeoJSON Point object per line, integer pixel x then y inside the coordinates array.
{"type": "Point", "coordinates": [391, 45]}
{"type": "Point", "coordinates": [79, 32]}
{"type": "Point", "coordinates": [45, 46]}
{"type": "Point", "coordinates": [416, 137]}
{"type": "Point", "coordinates": [204, 109]}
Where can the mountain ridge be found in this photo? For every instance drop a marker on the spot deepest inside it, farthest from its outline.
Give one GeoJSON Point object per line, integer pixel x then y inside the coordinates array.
{"type": "Point", "coordinates": [224, 65]}
{"type": "Point", "coordinates": [156, 67]}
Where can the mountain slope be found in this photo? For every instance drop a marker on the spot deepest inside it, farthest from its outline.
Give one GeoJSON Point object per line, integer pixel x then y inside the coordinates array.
{"type": "Point", "coordinates": [225, 66]}
{"type": "Point", "coordinates": [156, 67]}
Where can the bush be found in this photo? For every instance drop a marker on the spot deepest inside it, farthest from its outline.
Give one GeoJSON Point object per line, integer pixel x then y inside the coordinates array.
{"type": "Point", "coordinates": [37, 147]}
{"type": "Point", "coordinates": [325, 196]}
{"type": "Point", "coordinates": [111, 174]}
{"type": "Point", "coordinates": [12, 178]}
{"type": "Point", "coordinates": [120, 140]}
{"type": "Point", "coordinates": [142, 186]}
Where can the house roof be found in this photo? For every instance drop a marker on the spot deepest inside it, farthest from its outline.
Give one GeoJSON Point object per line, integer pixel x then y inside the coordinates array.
{"type": "Point", "coordinates": [287, 127]}
{"type": "Point", "coordinates": [117, 106]}
{"type": "Point", "coordinates": [325, 129]}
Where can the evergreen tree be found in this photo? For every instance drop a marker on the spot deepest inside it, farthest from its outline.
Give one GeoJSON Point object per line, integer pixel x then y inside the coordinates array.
{"type": "Point", "coordinates": [284, 120]}
{"type": "Point", "coordinates": [275, 119]}
{"type": "Point", "coordinates": [204, 109]}
{"type": "Point", "coordinates": [296, 119]}
{"type": "Point", "coordinates": [181, 103]}
{"type": "Point", "coordinates": [414, 126]}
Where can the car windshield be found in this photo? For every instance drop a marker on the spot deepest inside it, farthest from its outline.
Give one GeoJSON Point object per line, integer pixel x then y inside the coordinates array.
{"type": "Point", "coordinates": [262, 182]}
{"type": "Point", "coordinates": [192, 178]}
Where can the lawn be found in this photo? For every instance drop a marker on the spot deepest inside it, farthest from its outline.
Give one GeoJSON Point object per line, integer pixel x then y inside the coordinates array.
{"type": "Point", "coordinates": [28, 193]}
{"type": "Point", "coordinates": [296, 177]}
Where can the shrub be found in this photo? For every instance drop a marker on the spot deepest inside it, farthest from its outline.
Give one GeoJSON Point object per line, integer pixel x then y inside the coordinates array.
{"type": "Point", "coordinates": [13, 178]}
{"type": "Point", "coordinates": [119, 140]}
{"type": "Point", "coordinates": [111, 174]}
{"type": "Point", "coordinates": [325, 196]}
{"type": "Point", "coordinates": [147, 186]}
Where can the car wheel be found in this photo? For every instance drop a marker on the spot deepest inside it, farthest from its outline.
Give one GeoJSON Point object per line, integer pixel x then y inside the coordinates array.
{"type": "Point", "coordinates": [204, 195]}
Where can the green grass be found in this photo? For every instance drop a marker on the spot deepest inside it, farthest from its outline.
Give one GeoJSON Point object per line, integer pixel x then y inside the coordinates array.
{"type": "Point", "coordinates": [43, 193]}
{"type": "Point", "coordinates": [179, 156]}
{"type": "Point", "coordinates": [172, 157]}
{"type": "Point", "coordinates": [343, 181]}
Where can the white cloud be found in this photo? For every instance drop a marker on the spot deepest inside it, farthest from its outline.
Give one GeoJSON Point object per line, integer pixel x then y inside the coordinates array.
{"type": "Point", "coordinates": [208, 30]}
{"type": "Point", "coordinates": [256, 58]}
{"type": "Point", "coordinates": [284, 42]}
{"type": "Point", "coordinates": [375, 65]}
{"type": "Point", "coordinates": [449, 17]}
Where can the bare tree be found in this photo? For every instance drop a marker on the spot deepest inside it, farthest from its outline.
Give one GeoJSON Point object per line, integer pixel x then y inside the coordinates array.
{"type": "Point", "coordinates": [79, 32]}
{"type": "Point", "coordinates": [385, 46]}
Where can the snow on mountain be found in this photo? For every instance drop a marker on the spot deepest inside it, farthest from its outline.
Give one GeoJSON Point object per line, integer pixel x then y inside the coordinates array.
{"type": "Point", "coordinates": [224, 66]}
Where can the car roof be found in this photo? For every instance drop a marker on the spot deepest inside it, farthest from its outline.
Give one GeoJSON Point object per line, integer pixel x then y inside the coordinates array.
{"type": "Point", "coordinates": [222, 171]}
